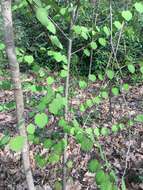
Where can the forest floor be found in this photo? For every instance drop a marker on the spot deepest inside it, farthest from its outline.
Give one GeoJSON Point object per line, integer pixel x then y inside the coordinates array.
{"type": "Point", "coordinates": [123, 150]}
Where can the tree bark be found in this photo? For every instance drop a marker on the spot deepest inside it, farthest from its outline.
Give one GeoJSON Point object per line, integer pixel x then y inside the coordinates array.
{"type": "Point", "coordinates": [14, 67]}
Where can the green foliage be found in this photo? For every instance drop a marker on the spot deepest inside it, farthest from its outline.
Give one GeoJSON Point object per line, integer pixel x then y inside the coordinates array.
{"type": "Point", "coordinates": [93, 165]}
{"type": "Point", "coordinates": [48, 143]}
{"type": "Point", "coordinates": [102, 41]}
{"type": "Point", "coordinates": [127, 15]}
{"type": "Point", "coordinates": [106, 30]}
{"type": "Point", "coordinates": [57, 104]}
{"type": "Point", "coordinates": [115, 91]}
{"type": "Point", "coordinates": [92, 78]}
{"type": "Point", "coordinates": [93, 45]}
{"type": "Point", "coordinates": [118, 25]}
{"type": "Point", "coordinates": [104, 131]}
{"type": "Point", "coordinates": [2, 46]}
{"type": "Point", "coordinates": [41, 161]}
{"type": "Point", "coordinates": [131, 68]}
{"type": "Point", "coordinates": [42, 16]}
{"type": "Point", "coordinates": [4, 140]}
{"type": "Point", "coordinates": [55, 41]}
{"type": "Point", "coordinates": [28, 59]}
{"type": "Point", "coordinates": [48, 50]}
{"type": "Point", "coordinates": [41, 120]}
{"type": "Point", "coordinates": [86, 146]}
{"type": "Point", "coordinates": [115, 128]}
{"type": "Point", "coordinates": [50, 80]}
{"type": "Point", "coordinates": [82, 84]}
{"type": "Point", "coordinates": [16, 143]}
{"type": "Point", "coordinates": [139, 118]}
{"type": "Point", "coordinates": [31, 128]}
{"type": "Point", "coordinates": [126, 87]}
{"type": "Point", "coordinates": [54, 158]}
{"type": "Point", "coordinates": [104, 94]}
{"type": "Point", "coordinates": [139, 7]}
{"type": "Point", "coordinates": [57, 186]}
{"type": "Point", "coordinates": [110, 74]}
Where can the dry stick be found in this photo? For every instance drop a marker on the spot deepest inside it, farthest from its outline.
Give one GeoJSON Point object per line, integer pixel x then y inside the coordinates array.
{"type": "Point", "coordinates": [14, 66]}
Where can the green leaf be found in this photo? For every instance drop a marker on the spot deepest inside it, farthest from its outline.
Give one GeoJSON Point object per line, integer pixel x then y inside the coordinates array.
{"type": "Point", "coordinates": [63, 73]}
{"type": "Point", "coordinates": [141, 69]}
{"type": "Point", "coordinates": [77, 29]}
{"type": "Point", "coordinates": [42, 16]}
{"type": "Point", "coordinates": [51, 27]}
{"type": "Point", "coordinates": [63, 11]}
{"type": "Point", "coordinates": [48, 143]}
{"type": "Point", "coordinates": [89, 103]}
{"type": "Point", "coordinates": [96, 100]}
{"type": "Point", "coordinates": [86, 52]}
{"type": "Point", "coordinates": [123, 185]}
{"type": "Point", "coordinates": [82, 108]}
{"type": "Point", "coordinates": [84, 35]}
{"type": "Point", "coordinates": [41, 161]}
{"type": "Point", "coordinates": [57, 104]}
{"type": "Point", "coordinates": [127, 15]}
{"type": "Point", "coordinates": [115, 128]}
{"type": "Point", "coordinates": [28, 59]}
{"type": "Point", "coordinates": [17, 143]}
{"type": "Point", "coordinates": [93, 165]}
{"type": "Point", "coordinates": [100, 76]}
{"type": "Point", "coordinates": [57, 186]}
{"type": "Point", "coordinates": [139, 7]}
{"type": "Point", "coordinates": [121, 126]}
{"type": "Point", "coordinates": [100, 177]}
{"type": "Point", "coordinates": [92, 78]}
{"type": "Point", "coordinates": [93, 45]}
{"type": "Point", "coordinates": [86, 146]}
{"type": "Point", "coordinates": [104, 94]}
{"type": "Point", "coordinates": [102, 41]}
{"type": "Point", "coordinates": [54, 158]}
{"type": "Point", "coordinates": [115, 91]}
{"type": "Point", "coordinates": [118, 25]}
{"type": "Point", "coordinates": [50, 80]}
{"type": "Point", "coordinates": [56, 42]}
{"type": "Point", "coordinates": [131, 68]}
{"type": "Point", "coordinates": [106, 30]}
{"type": "Point", "coordinates": [1, 108]}
{"type": "Point", "coordinates": [97, 132]}
{"type": "Point", "coordinates": [41, 120]}
{"type": "Point", "coordinates": [82, 84]}
{"type": "Point", "coordinates": [104, 131]}
{"type": "Point", "coordinates": [58, 148]}
{"type": "Point", "coordinates": [31, 128]}
{"type": "Point", "coordinates": [110, 74]}
{"type": "Point", "coordinates": [139, 118]}
{"type": "Point", "coordinates": [125, 87]}
{"type": "Point", "coordinates": [4, 140]}
{"type": "Point", "coordinates": [2, 46]}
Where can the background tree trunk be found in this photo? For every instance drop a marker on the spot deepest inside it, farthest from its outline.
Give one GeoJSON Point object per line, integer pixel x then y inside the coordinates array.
{"type": "Point", "coordinates": [14, 67]}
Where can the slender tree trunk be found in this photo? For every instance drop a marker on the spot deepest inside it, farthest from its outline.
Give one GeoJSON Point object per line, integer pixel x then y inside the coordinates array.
{"type": "Point", "coordinates": [66, 113]}
{"type": "Point", "coordinates": [14, 67]}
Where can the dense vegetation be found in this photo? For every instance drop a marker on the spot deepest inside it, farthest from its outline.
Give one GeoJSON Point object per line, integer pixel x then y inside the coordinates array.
{"type": "Point", "coordinates": [78, 60]}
